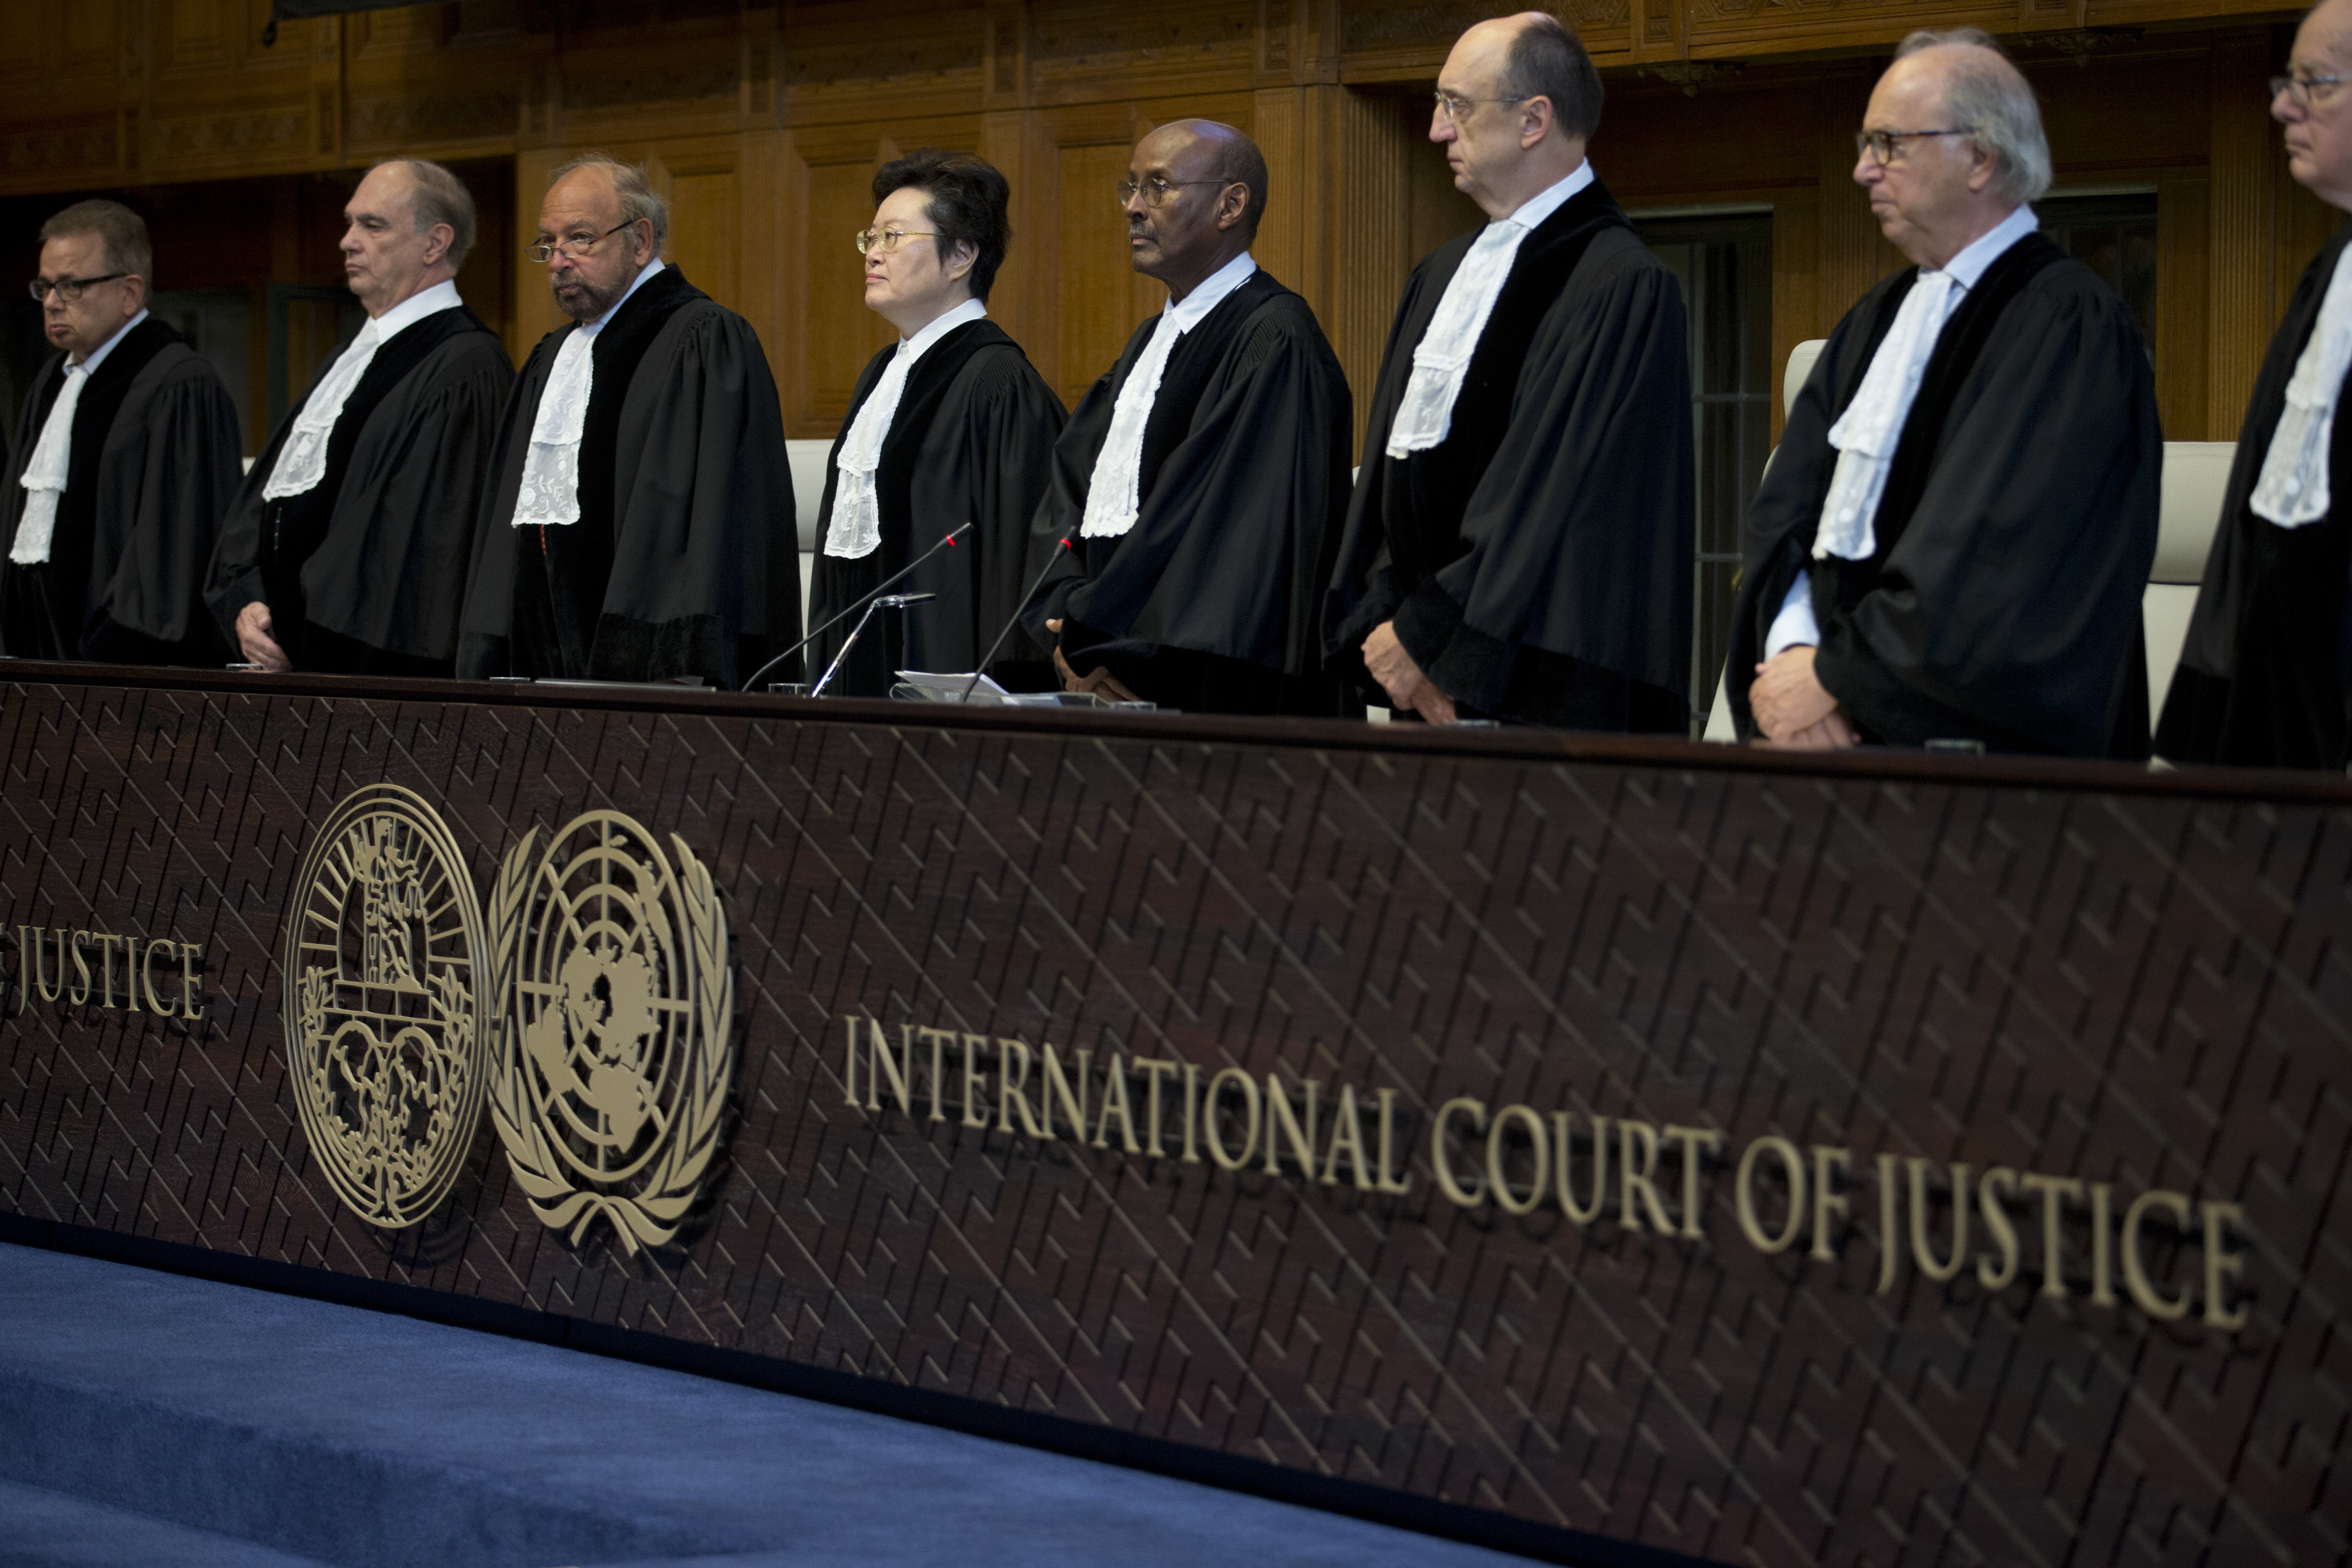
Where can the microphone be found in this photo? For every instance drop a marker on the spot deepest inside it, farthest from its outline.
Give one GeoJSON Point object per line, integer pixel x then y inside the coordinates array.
{"type": "Point", "coordinates": [887, 602]}
{"type": "Point", "coordinates": [1011, 621]}
{"type": "Point", "coordinates": [754, 684]}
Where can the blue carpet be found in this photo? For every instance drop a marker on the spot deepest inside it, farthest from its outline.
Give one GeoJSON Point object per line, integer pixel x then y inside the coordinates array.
{"type": "Point", "coordinates": [51, 1530]}
{"type": "Point", "coordinates": [349, 1437]}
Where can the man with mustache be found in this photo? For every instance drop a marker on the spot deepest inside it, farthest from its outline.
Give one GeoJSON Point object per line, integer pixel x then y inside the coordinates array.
{"type": "Point", "coordinates": [1201, 482]}
{"type": "Point", "coordinates": [2261, 680]}
{"type": "Point", "coordinates": [127, 454]}
{"type": "Point", "coordinates": [345, 551]}
{"type": "Point", "coordinates": [1954, 537]}
{"type": "Point", "coordinates": [639, 524]}
{"type": "Point", "coordinates": [1521, 540]}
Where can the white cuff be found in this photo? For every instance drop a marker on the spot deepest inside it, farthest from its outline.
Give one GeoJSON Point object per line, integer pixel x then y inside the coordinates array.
{"type": "Point", "coordinates": [1794, 626]}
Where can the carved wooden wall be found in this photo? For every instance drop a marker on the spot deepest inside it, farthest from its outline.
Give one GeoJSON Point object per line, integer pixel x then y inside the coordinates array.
{"type": "Point", "coordinates": [764, 124]}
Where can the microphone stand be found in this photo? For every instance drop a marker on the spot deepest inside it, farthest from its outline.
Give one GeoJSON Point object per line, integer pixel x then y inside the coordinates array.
{"type": "Point", "coordinates": [1012, 621]}
{"type": "Point", "coordinates": [752, 684]}
{"type": "Point", "coordinates": [888, 602]}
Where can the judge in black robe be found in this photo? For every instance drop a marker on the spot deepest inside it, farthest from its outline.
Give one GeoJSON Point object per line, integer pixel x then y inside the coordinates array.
{"type": "Point", "coordinates": [2002, 603]}
{"type": "Point", "coordinates": [683, 560]}
{"type": "Point", "coordinates": [1207, 601]}
{"type": "Point", "coordinates": [970, 440]}
{"type": "Point", "coordinates": [152, 463]}
{"type": "Point", "coordinates": [2266, 667]}
{"type": "Point", "coordinates": [364, 572]}
{"type": "Point", "coordinates": [1534, 564]}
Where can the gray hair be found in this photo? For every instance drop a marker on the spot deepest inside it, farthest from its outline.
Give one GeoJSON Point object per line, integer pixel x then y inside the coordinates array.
{"type": "Point", "coordinates": [437, 196]}
{"type": "Point", "coordinates": [638, 198]}
{"type": "Point", "coordinates": [123, 232]}
{"type": "Point", "coordinates": [1989, 97]}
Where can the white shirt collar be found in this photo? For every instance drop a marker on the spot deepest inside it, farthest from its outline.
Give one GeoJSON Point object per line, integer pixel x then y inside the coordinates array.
{"type": "Point", "coordinates": [1186, 315]}
{"type": "Point", "coordinates": [90, 362]}
{"type": "Point", "coordinates": [1987, 247]}
{"type": "Point", "coordinates": [598, 324]}
{"type": "Point", "coordinates": [442, 296]}
{"type": "Point", "coordinates": [1528, 214]}
{"type": "Point", "coordinates": [911, 349]}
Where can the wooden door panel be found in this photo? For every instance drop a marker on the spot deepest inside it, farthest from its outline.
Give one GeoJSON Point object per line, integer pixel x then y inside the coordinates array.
{"type": "Point", "coordinates": [1095, 295]}
{"type": "Point", "coordinates": [844, 334]}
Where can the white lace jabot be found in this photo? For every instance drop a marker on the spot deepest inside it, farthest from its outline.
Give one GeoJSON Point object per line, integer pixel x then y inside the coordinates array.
{"type": "Point", "coordinates": [1425, 413]}
{"type": "Point", "coordinates": [45, 471]}
{"type": "Point", "coordinates": [302, 459]}
{"type": "Point", "coordinates": [1867, 432]}
{"type": "Point", "coordinates": [854, 530]}
{"type": "Point", "coordinates": [2293, 489]}
{"type": "Point", "coordinates": [549, 496]}
{"type": "Point", "coordinates": [1114, 492]}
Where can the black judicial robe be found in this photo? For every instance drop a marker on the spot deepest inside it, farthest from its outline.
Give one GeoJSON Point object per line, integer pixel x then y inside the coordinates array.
{"type": "Point", "coordinates": [973, 441]}
{"type": "Point", "coordinates": [152, 467]}
{"type": "Point", "coordinates": [1208, 603]}
{"type": "Point", "coordinates": [2014, 537]}
{"type": "Point", "coordinates": [2263, 675]}
{"type": "Point", "coordinates": [1537, 563]}
{"type": "Point", "coordinates": [685, 559]}
{"type": "Point", "coordinates": [366, 572]}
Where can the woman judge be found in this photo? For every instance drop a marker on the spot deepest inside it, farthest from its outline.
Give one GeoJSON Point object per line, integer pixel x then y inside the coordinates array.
{"type": "Point", "coordinates": [951, 426]}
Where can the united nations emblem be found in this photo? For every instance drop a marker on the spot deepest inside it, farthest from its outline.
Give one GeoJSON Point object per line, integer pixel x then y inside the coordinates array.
{"type": "Point", "coordinates": [616, 1001]}
{"type": "Point", "coordinates": [385, 965]}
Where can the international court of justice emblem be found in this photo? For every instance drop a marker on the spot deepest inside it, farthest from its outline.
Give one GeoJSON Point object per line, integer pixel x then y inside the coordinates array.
{"type": "Point", "coordinates": [386, 970]}
{"type": "Point", "coordinates": [616, 1000]}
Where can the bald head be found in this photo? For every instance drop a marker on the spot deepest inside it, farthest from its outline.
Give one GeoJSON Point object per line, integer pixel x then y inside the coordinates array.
{"type": "Point", "coordinates": [2329, 27]}
{"type": "Point", "coordinates": [1517, 100]}
{"type": "Point", "coordinates": [1216, 152]}
{"type": "Point", "coordinates": [1535, 55]}
{"type": "Point", "coordinates": [1197, 190]}
{"type": "Point", "coordinates": [2316, 113]}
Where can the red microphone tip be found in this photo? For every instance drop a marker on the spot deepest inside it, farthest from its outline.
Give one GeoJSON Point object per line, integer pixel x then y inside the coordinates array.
{"type": "Point", "coordinates": [1065, 544]}
{"type": "Point", "coordinates": [951, 539]}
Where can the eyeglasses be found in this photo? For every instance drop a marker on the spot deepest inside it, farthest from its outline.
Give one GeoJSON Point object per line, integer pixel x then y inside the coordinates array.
{"type": "Point", "coordinates": [573, 249]}
{"type": "Point", "coordinates": [69, 290]}
{"type": "Point", "coordinates": [1157, 190]}
{"type": "Point", "coordinates": [886, 240]}
{"type": "Point", "coordinates": [2305, 91]}
{"type": "Point", "coordinates": [1883, 146]}
{"type": "Point", "coordinates": [1452, 107]}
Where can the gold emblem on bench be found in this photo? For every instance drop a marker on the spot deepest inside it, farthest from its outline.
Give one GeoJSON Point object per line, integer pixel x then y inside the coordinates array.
{"type": "Point", "coordinates": [386, 965]}
{"type": "Point", "coordinates": [614, 999]}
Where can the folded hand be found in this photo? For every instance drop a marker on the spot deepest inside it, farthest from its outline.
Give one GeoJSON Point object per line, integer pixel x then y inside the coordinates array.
{"type": "Point", "coordinates": [1787, 699]}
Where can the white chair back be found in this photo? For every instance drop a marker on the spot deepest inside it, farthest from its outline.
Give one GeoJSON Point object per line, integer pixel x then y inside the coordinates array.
{"type": "Point", "coordinates": [807, 460]}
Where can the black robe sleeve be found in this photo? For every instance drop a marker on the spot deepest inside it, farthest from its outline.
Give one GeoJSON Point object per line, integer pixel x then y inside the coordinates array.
{"type": "Point", "coordinates": [2009, 609]}
{"type": "Point", "coordinates": [1063, 508]}
{"type": "Point", "coordinates": [1364, 590]}
{"type": "Point", "coordinates": [705, 557]}
{"type": "Point", "coordinates": [1579, 538]}
{"type": "Point", "coordinates": [486, 624]}
{"type": "Point", "coordinates": [169, 470]}
{"type": "Point", "coordinates": [1232, 547]}
{"type": "Point", "coordinates": [989, 458]}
